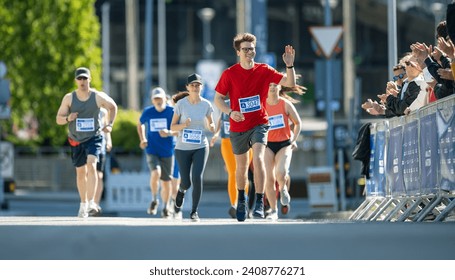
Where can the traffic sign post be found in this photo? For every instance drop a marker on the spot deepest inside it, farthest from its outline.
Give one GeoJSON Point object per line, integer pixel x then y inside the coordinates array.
{"type": "Point", "coordinates": [327, 38]}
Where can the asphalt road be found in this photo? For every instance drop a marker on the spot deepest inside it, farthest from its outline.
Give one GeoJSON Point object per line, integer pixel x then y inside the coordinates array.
{"type": "Point", "coordinates": [112, 238]}
{"type": "Point", "coordinates": [40, 229]}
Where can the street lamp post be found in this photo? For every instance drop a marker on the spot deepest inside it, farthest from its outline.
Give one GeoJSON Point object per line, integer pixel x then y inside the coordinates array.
{"type": "Point", "coordinates": [328, 6]}
{"type": "Point", "coordinates": [392, 35]}
{"type": "Point", "coordinates": [206, 15]}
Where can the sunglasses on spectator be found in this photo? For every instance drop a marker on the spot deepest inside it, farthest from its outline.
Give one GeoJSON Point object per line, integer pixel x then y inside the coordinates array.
{"type": "Point", "coordinates": [398, 77]}
{"type": "Point", "coordinates": [81, 78]}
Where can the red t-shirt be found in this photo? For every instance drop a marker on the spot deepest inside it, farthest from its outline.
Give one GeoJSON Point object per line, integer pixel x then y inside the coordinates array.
{"type": "Point", "coordinates": [248, 91]}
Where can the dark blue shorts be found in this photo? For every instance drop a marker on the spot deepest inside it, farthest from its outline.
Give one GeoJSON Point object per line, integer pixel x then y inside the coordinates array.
{"type": "Point", "coordinates": [90, 147]}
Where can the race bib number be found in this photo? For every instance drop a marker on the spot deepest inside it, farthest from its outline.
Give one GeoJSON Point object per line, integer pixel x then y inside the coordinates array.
{"type": "Point", "coordinates": [157, 124]}
{"type": "Point", "coordinates": [192, 136]}
{"type": "Point", "coordinates": [250, 104]}
{"type": "Point", "coordinates": [227, 126]}
{"type": "Point", "coordinates": [85, 125]}
{"type": "Point", "coordinates": [276, 122]}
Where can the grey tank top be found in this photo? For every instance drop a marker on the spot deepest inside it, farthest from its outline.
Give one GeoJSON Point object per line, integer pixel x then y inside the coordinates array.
{"type": "Point", "coordinates": [87, 123]}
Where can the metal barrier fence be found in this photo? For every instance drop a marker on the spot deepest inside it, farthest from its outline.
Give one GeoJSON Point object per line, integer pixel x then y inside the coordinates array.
{"type": "Point", "coordinates": [412, 166]}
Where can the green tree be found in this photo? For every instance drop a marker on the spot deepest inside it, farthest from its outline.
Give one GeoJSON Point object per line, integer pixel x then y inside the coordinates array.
{"type": "Point", "coordinates": [124, 133]}
{"type": "Point", "coordinates": [42, 43]}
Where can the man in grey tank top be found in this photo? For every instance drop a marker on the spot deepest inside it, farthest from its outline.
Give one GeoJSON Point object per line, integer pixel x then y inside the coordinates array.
{"type": "Point", "coordinates": [80, 110]}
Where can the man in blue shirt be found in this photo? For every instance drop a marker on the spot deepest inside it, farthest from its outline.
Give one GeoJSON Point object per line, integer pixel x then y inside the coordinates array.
{"type": "Point", "coordinates": [158, 141]}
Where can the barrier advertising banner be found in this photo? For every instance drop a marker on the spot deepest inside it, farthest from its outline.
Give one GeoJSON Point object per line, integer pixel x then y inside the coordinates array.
{"type": "Point", "coordinates": [394, 161]}
{"type": "Point", "coordinates": [446, 139]}
{"type": "Point", "coordinates": [429, 161]}
{"type": "Point", "coordinates": [379, 157]}
{"type": "Point", "coordinates": [411, 158]}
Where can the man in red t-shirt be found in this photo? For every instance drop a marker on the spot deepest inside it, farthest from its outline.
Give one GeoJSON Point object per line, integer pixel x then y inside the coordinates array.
{"type": "Point", "coordinates": [246, 84]}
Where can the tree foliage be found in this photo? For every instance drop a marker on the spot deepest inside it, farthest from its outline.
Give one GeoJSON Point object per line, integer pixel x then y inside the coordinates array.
{"type": "Point", "coordinates": [124, 133]}
{"type": "Point", "coordinates": [42, 43]}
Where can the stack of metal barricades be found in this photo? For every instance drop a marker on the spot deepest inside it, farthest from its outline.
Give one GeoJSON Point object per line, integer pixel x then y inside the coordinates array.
{"type": "Point", "coordinates": [412, 166]}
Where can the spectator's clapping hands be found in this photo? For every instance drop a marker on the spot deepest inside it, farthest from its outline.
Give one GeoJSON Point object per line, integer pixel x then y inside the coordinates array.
{"type": "Point", "coordinates": [391, 86]}
{"type": "Point", "coordinates": [420, 51]}
{"type": "Point", "coordinates": [392, 91]}
{"type": "Point", "coordinates": [451, 54]}
{"type": "Point", "coordinates": [446, 47]}
{"type": "Point", "coordinates": [377, 109]}
{"type": "Point", "coordinates": [437, 53]}
{"type": "Point", "coordinates": [373, 108]}
{"type": "Point", "coordinates": [445, 73]}
{"type": "Point", "coordinates": [383, 97]}
{"type": "Point", "coordinates": [367, 105]}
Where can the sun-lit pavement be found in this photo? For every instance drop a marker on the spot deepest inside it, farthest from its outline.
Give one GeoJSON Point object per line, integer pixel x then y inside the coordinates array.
{"type": "Point", "coordinates": [43, 229]}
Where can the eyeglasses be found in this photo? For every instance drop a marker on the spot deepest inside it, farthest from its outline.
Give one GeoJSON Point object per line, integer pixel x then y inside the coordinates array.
{"type": "Point", "coordinates": [398, 77]}
{"type": "Point", "coordinates": [247, 50]}
{"type": "Point", "coordinates": [81, 78]}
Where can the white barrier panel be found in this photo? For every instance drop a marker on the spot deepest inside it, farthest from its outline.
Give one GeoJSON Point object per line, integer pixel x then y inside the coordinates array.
{"type": "Point", "coordinates": [127, 191]}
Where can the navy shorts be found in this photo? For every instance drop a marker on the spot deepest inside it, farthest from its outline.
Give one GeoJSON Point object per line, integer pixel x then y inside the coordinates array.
{"type": "Point", "coordinates": [90, 147]}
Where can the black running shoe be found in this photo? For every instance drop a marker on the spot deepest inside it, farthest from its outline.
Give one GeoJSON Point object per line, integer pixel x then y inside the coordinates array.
{"type": "Point", "coordinates": [179, 199]}
{"type": "Point", "coordinates": [242, 211]}
{"type": "Point", "coordinates": [153, 209]}
{"type": "Point", "coordinates": [165, 213]}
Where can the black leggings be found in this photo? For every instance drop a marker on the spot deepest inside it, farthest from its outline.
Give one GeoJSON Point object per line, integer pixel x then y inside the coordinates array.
{"type": "Point", "coordinates": [196, 159]}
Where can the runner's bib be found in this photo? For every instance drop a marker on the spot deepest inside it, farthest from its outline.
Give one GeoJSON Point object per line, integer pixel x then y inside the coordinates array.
{"type": "Point", "coordinates": [276, 122]}
{"type": "Point", "coordinates": [250, 104]}
{"type": "Point", "coordinates": [85, 125]}
{"type": "Point", "coordinates": [157, 125]}
{"type": "Point", "coordinates": [192, 136]}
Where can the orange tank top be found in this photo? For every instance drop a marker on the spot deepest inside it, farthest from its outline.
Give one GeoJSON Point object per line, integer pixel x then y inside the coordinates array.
{"type": "Point", "coordinates": [279, 122]}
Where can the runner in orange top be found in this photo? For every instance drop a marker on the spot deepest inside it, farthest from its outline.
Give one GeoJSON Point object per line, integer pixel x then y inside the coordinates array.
{"type": "Point", "coordinates": [280, 143]}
